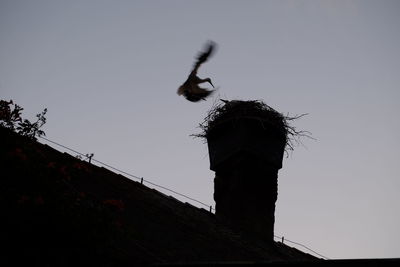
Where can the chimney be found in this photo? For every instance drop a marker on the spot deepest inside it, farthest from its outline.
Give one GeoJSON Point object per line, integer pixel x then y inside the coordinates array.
{"type": "Point", "coordinates": [246, 142]}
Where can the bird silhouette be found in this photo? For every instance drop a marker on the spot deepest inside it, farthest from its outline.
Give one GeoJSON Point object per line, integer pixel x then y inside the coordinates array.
{"type": "Point", "coordinates": [190, 89]}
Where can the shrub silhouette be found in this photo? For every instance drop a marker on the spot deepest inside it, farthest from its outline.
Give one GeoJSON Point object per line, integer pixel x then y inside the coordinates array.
{"type": "Point", "coordinates": [10, 118]}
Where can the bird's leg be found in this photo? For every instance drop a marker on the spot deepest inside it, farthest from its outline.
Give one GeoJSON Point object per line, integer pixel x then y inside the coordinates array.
{"type": "Point", "coordinates": [206, 80]}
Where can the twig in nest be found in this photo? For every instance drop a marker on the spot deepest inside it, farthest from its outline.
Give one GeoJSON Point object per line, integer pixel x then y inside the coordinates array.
{"type": "Point", "coordinates": [225, 110]}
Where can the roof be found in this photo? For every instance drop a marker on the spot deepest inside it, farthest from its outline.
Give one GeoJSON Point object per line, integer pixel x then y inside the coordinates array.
{"type": "Point", "coordinates": [61, 209]}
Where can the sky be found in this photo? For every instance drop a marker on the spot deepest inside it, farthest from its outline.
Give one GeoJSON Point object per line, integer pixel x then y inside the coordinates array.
{"type": "Point", "coordinates": [108, 71]}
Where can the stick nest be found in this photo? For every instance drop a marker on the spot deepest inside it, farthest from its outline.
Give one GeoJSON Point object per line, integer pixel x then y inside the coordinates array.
{"type": "Point", "coordinates": [224, 110]}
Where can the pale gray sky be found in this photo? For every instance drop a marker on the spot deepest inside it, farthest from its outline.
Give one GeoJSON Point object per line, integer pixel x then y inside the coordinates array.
{"type": "Point", "coordinates": [108, 72]}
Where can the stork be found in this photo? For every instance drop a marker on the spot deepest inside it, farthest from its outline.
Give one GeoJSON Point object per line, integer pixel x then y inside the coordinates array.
{"type": "Point", "coordinates": [190, 89]}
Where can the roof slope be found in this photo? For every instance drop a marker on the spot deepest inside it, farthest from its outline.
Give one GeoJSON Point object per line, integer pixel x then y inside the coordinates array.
{"type": "Point", "coordinates": [59, 209]}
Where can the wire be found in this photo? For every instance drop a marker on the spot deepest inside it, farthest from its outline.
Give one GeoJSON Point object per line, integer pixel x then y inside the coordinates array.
{"type": "Point", "coordinates": [131, 175]}
{"type": "Point", "coordinates": [280, 237]}
{"type": "Point", "coordinates": [62, 146]}
{"type": "Point", "coordinates": [154, 184]}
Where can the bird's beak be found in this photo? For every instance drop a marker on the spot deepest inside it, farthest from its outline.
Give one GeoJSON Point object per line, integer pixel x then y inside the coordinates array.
{"type": "Point", "coordinates": [211, 84]}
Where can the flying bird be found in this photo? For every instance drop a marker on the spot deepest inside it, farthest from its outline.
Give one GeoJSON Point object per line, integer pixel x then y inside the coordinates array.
{"type": "Point", "coordinates": [190, 89]}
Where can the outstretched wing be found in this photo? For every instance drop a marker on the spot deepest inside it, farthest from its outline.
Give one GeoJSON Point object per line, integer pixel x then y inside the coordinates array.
{"type": "Point", "coordinates": [203, 56]}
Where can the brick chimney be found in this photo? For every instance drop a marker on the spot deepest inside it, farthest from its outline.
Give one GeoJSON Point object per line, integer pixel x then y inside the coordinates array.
{"type": "Point", "coordinates": [246, 147]}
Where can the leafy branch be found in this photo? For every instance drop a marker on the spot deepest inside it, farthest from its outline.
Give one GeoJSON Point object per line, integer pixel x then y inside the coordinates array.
{"type": "Point", "coordinates": [10, 118]}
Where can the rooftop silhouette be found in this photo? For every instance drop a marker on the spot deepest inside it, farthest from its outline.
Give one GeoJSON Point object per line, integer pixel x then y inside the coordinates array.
{"type": "Point", "coordinates": [57, 208]}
